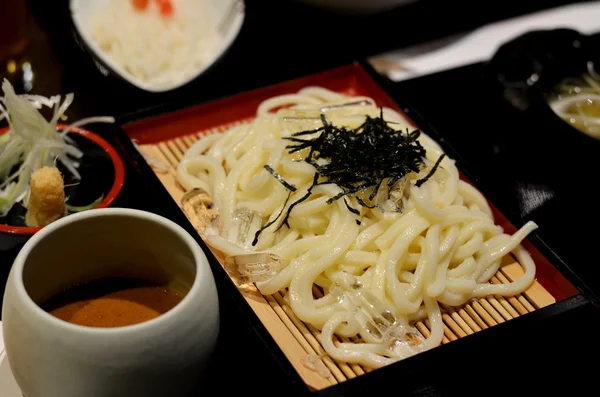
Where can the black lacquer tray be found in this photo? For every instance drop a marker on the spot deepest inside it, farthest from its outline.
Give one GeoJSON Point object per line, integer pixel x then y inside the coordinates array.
{"type": "Point", "coordinates": [520, 344]}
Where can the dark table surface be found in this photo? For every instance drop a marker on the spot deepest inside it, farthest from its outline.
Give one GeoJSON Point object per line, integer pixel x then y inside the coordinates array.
{"type": "Point", "coordinates": [281, 40]}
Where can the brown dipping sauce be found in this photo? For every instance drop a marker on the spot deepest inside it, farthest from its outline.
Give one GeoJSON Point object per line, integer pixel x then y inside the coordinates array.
{"type": "Point", "coordinates": [111, 302]}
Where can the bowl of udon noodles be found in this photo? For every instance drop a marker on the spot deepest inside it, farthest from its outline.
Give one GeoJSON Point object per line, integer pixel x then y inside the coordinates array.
{"type": "Point", "coordinates": [553, 77]}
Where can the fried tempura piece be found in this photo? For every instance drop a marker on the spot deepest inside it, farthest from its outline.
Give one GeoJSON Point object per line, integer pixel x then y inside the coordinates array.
{"type": "Point", "coordinates": [46, 197]}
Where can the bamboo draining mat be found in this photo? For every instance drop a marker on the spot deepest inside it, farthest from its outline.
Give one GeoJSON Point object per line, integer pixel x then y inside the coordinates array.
{"type": "Point", "coordinates": [297, 339]}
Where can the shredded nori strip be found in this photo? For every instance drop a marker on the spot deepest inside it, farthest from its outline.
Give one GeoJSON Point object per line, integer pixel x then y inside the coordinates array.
{"type": "Point", "coordinates": [259, 231]}
{"type": "Point", "coordinates": [279, 178]}
{"type": "Point", "coordinates": [358, 222]}
{"type": "Point", "coordinates": [355, 160]}
{"type": "Point", "coordinates": [361, 202]}
{"type": "Point", "coordinates": [431, 172]}
{"type": "Point", "coordinates": [361, 158]}
{"type": "Point", "coordinates": [301, 199]}
{"type": "Point", "coordinates": [353, 210]}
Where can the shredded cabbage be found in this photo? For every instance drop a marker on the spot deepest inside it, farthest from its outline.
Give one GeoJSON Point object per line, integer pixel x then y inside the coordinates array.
{"type": "Point", "coordinates": [33, 142]}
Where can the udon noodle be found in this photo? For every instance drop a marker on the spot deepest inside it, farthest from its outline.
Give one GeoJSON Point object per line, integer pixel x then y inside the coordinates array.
{"type": "Point", "coordinates": [379, 270]}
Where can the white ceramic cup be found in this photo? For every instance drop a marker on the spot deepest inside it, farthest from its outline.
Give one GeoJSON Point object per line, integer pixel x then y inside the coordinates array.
{"type": "Point", "coordinates": [162, 357]}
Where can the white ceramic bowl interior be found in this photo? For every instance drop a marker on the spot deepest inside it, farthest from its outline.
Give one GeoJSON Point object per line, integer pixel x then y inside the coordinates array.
{"type": "Point", "coordinates": [230, 12]}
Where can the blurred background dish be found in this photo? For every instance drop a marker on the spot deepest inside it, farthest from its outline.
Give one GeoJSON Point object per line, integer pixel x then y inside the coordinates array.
{"type": "Point", "coordinates": [551, 76]}
{"type": "Point", "coordinates": [157, 45]}
{"type": "Point", "coordinates": [357, 6]}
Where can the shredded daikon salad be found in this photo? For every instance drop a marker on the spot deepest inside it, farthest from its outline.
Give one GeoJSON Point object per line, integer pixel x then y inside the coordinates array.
{"type": "Point", "coordinates": [157, 42]}
{"type": "Point", "coordinates": [33, 142]}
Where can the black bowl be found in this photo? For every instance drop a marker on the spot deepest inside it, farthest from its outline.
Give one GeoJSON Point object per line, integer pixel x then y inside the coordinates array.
{"type": "Point", "coordinates": [526, 70]}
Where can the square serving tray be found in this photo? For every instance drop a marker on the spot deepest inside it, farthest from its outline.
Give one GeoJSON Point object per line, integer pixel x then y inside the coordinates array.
{"type": "Point", "coordinates": [166, 137]}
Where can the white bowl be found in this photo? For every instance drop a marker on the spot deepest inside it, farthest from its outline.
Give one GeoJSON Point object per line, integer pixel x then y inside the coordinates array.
{"type": "Point", "coordinates": [357, 6]}
{"type": "Point", "coordinates": [165, 356]}
{"type": "Point", "coordinates": [230, 10]}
